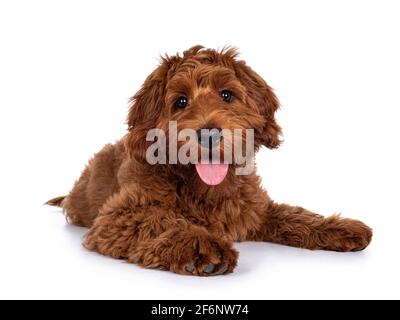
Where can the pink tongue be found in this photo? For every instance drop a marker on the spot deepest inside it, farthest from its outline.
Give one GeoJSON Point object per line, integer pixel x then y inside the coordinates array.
{"type": "Point", "coordinates": [212, 174]}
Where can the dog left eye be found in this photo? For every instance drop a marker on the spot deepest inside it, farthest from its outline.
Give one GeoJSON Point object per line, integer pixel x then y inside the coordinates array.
{"type": "Point", "coordinates": [226, 95]}
{"type": "Point", "coordinates": [182, 102]}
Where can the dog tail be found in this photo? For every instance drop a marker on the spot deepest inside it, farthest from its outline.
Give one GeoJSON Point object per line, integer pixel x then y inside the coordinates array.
{"type": "Point", "coordinates": [57, 202]}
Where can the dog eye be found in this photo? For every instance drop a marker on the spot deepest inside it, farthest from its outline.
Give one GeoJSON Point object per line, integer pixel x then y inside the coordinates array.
{"type": "Point", "coordinates": [182, 102]}
{"type": "Point", "coordinates": [226, 95]}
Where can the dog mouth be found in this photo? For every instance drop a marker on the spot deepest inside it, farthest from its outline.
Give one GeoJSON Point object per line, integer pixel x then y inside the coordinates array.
{"type": "Point", "coordinates": [212, 173]}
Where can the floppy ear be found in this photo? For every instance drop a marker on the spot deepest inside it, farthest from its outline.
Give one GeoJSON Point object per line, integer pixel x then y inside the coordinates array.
{"type": "Point", "coordinates": [145, 109]}
{"type": "Point", "coordinates": [262, 96]}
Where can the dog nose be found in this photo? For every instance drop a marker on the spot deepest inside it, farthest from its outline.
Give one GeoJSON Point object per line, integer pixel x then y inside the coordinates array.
{"type": "Point", "coordinates": [209, 137]}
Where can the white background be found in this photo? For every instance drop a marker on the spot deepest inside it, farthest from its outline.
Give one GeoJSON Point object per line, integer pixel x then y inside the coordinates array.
{"type": "Point", "coordinates": [67, 69]}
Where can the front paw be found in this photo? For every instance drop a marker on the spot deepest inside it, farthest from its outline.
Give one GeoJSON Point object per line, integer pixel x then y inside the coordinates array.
{"type": "Point", "coordinates": [204, 256]}
{"type": "Point", "coordinates": [348, 235]}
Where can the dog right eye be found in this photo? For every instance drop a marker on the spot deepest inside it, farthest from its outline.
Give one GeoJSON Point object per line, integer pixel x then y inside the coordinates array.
{"type": "Point", "coordinates": [182, 102]}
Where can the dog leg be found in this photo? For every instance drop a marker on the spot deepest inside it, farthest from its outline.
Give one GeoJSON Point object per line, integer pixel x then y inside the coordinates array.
{"type": "Point", "coordinates": [298, 227]}
{"type": "Point", "coordinates": [190, 251]}
{"type": "Point", "coordinates": [156, 237]}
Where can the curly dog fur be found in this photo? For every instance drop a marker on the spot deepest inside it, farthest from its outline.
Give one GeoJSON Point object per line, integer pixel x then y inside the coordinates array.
{"type": "Point", "coordinates": [165, 216]}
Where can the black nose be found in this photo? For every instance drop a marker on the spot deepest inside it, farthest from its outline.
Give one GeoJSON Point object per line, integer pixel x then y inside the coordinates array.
{"type": "Point", "coordinates": [209, 137]}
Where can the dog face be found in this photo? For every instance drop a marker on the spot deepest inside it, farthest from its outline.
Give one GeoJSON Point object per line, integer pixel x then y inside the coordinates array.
{"type": "Point", "coordinates": [203, 89]}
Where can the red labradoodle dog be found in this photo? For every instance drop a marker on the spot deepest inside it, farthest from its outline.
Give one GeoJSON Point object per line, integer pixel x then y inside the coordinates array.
{"type": "Point", "coordinates": [172, 216]}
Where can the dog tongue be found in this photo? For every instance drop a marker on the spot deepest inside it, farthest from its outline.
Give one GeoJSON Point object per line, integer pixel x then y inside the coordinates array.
{"type": "Point", "coordinates": [212, 173]}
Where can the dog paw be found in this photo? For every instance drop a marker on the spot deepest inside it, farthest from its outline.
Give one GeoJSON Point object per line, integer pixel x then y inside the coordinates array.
{"type": "Point", "coordinates": [353, 236]}
{"type": "Point", "coordinates": [206, 257]}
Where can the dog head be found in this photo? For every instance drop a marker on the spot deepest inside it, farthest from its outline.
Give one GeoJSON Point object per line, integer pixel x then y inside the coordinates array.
{"type": "Point", "coordinates": [203, 89]}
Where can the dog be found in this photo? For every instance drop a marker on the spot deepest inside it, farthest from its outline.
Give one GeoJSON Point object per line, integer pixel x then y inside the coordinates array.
{"type": "Point", "coordinates": [185, 217]}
